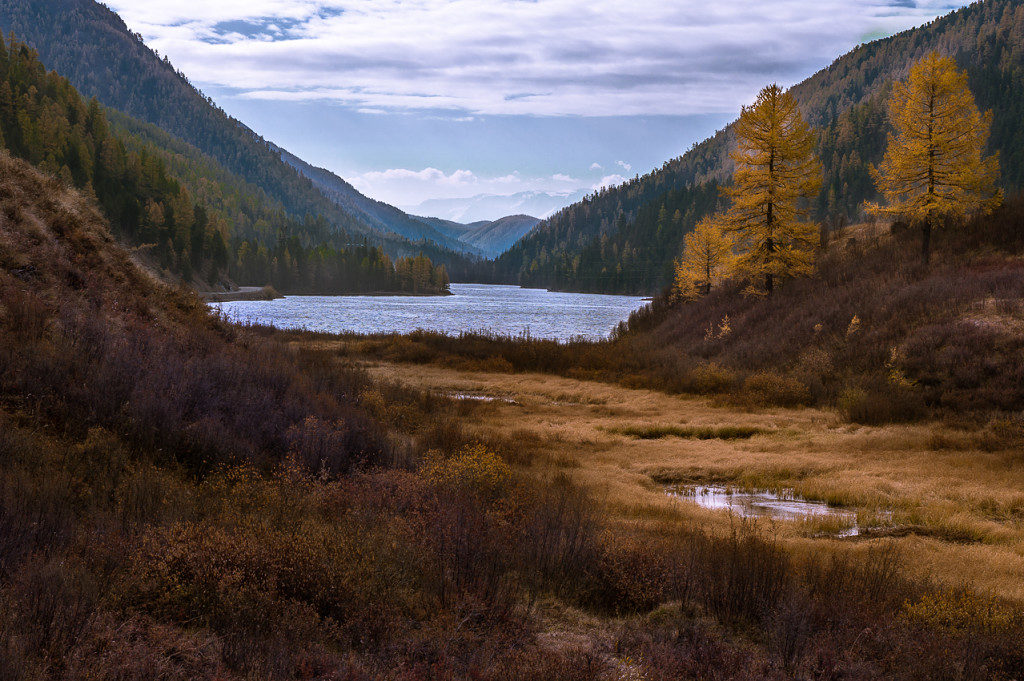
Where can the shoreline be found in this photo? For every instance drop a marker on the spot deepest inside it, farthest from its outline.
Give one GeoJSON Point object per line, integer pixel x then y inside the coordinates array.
{"type": "Point", "coordinates": [260, 294]}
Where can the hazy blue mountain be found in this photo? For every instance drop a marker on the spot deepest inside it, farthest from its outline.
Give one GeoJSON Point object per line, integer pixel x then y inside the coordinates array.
{"type": "Point", "coordinates": [490, 207]}
{"type": "Point", "coordinates": [375, 213]}
{"type": "Point", "coordinates": [494, 238]}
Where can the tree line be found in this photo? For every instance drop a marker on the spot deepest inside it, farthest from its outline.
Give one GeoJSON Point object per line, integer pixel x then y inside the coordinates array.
{"type": "Point", "coordinates": [845, 104]}
{"type": "Point", "coordinates": [934, 172]}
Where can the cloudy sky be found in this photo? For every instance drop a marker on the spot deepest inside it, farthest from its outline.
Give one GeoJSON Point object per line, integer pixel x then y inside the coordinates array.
{"type": "Point", "coordinates": [418, 99]}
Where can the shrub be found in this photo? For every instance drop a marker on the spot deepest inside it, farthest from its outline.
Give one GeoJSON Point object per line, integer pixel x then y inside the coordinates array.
{"type": "Point", "coordinates": [874, 406]}
{"type": "Point", "coordinates": [709, 379]}
{"type": "Point", "coordinates": [472, 469]}
{"type": "Point", "coordinates": [772, 389]}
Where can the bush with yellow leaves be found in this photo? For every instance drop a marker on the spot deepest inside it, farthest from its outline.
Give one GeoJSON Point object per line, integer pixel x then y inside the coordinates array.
{"type": "Point", "coordinates": [473, 468]}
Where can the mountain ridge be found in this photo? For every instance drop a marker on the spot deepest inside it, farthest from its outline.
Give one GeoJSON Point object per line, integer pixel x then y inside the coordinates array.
{"type": "Point", "coordinates": [582, 246]}
{"type": "Point", "coordinates": [491, 207]}
{"type": "Point", "coordinates": [92, 47]}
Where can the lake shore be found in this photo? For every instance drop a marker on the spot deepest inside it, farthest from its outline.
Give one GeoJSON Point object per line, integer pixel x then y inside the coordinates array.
{"type": "Point", "coordinates": [482, 308]}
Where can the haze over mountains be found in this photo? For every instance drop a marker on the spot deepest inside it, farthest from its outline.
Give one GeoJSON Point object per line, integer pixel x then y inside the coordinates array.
{"type": "Point", "coordinates": [494, 206]}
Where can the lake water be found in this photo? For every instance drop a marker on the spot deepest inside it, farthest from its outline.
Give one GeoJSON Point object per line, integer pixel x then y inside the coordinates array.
{"type": "Point", "coordinates": [505, 310]}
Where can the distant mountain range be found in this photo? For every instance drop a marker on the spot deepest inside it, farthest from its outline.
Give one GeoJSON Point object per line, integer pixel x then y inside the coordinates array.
{"type": "Point", "coordinates": [487, 207]}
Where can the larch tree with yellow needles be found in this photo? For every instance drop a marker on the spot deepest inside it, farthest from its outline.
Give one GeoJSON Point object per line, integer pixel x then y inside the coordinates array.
{"type": "Point", "coordinates": [706, 260]}
{"type": "Point", "coordinates": [776, 174]}
{"type": "Point", "coordinates": [934, 167]}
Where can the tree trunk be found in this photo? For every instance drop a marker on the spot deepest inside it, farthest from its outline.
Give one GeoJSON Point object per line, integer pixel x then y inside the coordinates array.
{"type": "Point", "coordinates": [926, 240]}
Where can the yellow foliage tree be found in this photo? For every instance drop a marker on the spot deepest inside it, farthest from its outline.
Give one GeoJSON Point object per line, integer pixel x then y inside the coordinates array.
{"type": "Point", "coordinates": [933, 167]}
{"type": "Point", "coordinates": [776, 172]}
{"type": "Point", "coordinates": [706, 260]}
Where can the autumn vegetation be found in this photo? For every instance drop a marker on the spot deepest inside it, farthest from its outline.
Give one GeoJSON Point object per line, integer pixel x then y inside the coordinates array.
{"type": "Point", "coordinates": [185, 498]}
{"type": "Point", "coordinates": [625, 239]}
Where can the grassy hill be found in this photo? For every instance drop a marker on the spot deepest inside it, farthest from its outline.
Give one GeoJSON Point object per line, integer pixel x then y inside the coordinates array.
{"type": "Point", "coordinates": [623, 239]}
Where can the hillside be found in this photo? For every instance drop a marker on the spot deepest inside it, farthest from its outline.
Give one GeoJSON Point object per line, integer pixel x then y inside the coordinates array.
{"type": "Point", "coordinates": [187, 215]}
{"type": "Point", "coordinates": [603, 243]}
{"type": "Point", "coordinates": [374, 213]}
{"type": "Point", "coordinates": [491, 237]}
{"type": "Point", "coordinates": [90, 45]}
{"type": "Point", "coordinates": [496, 237]}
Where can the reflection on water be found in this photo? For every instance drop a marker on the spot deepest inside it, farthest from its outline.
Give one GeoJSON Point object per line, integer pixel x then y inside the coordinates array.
{"type": "Point", "coordinates": [764, 504]}
{"type": "Point", "coordinates": [503, 310]}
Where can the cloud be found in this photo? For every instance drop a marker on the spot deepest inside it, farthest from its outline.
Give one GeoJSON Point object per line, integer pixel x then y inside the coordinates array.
{"type": "Point", "coordinates": [609, 181]}
{"type": "Point", "coordinates": [596, 166]}
{"type": "Point", "coordinates": [407, 187]}
{"type": "Point", "coordinates": [540, 58]}
{"type": "Point", "coordinates": [625, 166]}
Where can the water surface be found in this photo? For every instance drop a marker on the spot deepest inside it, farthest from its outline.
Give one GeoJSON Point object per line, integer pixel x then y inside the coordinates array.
{"type": "Point", "coordinates": [504, 310]}
{"type": "Point", "coordinates": [765, 504]}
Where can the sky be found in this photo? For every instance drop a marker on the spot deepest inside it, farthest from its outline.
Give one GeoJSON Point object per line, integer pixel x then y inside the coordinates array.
{"type": "Point", "coordinates": [412, 100]}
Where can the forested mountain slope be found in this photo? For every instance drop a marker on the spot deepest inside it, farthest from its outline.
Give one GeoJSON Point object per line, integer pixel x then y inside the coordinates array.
{"type": "Point", "coordinates": [375, 213]}
{"type": "Point", "coordinates": [497, 236]}
{"type": "Point", "coordinates": [185, 212]}
{"type": "Point", "coordinates": [93, 48]}
{"type": "Point", "coordinates": [619, 239]}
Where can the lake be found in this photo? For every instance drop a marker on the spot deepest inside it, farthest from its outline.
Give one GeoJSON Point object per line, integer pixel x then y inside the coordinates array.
{"type": "Point", "coordinates": [505, 310]}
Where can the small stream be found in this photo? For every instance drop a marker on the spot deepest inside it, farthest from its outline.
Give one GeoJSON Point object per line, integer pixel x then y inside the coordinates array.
{"type": "Point", "coordinates": [765, 504]}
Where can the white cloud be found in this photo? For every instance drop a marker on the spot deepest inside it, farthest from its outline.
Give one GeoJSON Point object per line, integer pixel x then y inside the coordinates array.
{"type": "Point", "coordinates": [547, 57]}
{"type": "Point", "coordinates": [406, 187]}
{"type": "Point", "coordinates": [609, 181]}
{"type": "Point", "coordinates": [625, 166]}
{"type": "Point", "coordinates": [596, 166]}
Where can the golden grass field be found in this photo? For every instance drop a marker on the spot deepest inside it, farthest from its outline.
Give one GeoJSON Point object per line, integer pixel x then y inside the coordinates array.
{"type": "Point", "coordinates": [956, 512]}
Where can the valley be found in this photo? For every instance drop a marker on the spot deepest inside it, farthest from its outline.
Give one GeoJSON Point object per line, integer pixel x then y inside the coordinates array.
{"type": "Point", "coordinates": [756, 414]}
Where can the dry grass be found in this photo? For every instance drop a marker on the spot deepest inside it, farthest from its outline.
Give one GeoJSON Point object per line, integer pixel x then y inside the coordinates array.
{"type": "Point", "coordinates": [955, 512]}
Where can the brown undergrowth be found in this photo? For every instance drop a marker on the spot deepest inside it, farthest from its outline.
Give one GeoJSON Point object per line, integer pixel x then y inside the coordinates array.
{"type": "Point", "coordinates": [184, 499]}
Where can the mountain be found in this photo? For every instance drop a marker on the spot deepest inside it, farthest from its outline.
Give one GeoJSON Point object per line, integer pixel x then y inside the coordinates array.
{"type": "Point", "coordinates": [185, 214]}
{"type": "Point", "coordinates": [497, 236]}
{"type": "Point", "coordinates": [92, 47]}
{"type": "Point", "coordinates": [374, 213]}
{"type": "Point", "coordinates": [489, 207]}
{"type": "Point", "coordinates": [624, 239]}
{"type": "Point", "coordinates": [491, 237]}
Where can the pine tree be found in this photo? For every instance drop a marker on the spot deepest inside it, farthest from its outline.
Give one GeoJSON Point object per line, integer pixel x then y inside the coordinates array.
{"type": "Point", "coordinates": [706, 260]}
{"type": "Point", "coordinates": [776, 175]}
{"type": "Point", "coordinates": [933, 168]}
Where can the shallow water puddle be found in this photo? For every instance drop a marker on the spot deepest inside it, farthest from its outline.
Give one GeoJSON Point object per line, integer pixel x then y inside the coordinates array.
{"type": "Point", "coordinates": [481, 398]}
{"type": "Point", "coordinates": [764, 504]}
